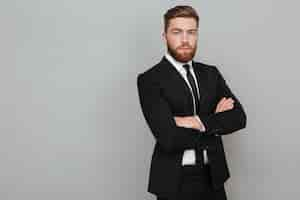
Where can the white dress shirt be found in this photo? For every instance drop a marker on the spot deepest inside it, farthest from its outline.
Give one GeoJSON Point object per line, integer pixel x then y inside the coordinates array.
{"type": "Point", "coordinates": [189, 155]}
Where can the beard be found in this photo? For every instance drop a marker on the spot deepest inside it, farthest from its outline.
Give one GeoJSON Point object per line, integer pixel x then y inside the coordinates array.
{"type": "Point", "coordinates": [182, 55]}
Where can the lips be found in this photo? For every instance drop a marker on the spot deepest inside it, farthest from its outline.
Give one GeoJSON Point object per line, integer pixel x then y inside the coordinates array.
{"type": "Point", "coordinates": [185, 48]}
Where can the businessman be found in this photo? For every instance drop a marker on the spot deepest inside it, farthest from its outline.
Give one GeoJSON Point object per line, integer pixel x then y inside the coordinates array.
{"type": "Point", "coordinates": [188, 107]}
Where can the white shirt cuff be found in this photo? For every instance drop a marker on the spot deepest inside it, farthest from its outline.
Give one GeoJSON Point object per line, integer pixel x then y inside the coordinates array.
{"type": "Point", "coordinates": [202, 127]}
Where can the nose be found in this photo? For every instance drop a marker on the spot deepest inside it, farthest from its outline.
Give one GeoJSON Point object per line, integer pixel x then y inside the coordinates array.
{"type": "Point", "coordinates": [184, 38]}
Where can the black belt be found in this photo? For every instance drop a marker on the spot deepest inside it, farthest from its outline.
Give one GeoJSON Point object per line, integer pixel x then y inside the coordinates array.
{"type": "Point", "coordinates": [202, 170]}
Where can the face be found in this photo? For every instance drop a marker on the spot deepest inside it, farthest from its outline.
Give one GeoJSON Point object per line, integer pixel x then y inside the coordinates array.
{"type": "Point", "coordinates": [181, 38]}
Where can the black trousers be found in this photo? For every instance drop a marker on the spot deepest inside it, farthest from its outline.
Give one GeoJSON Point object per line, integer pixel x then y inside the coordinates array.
{"type": "Point", "coordinates": [196, 184]}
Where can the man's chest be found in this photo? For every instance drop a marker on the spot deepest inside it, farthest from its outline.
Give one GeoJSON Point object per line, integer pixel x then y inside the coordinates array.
{"type": "Point", "coordinates": [176, 91]}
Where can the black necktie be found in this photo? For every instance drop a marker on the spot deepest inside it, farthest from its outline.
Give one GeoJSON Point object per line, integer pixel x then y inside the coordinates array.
{"type": "Point", "coordinates": [199, 152]}
{"type": "Point", "coordinates": [193, 85]}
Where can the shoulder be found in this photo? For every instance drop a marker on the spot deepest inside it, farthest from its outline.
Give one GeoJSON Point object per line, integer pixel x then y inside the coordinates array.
{"type": "Point", "coordinates": [154, 73]}
{"type": "Point", "coordinates": [206, 67]}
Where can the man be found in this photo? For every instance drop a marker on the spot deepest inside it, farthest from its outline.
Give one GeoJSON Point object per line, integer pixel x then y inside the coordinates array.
{"type": "Point", "coordinates": [188, 107]}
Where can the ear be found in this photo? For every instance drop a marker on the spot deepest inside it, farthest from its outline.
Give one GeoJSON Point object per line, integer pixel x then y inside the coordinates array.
{"type": "Point", "coordinates": [163, 34]}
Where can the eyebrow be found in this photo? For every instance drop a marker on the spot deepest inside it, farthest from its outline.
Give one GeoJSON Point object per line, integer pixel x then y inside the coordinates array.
{"type": "Point", "coordinates": [179, 29]}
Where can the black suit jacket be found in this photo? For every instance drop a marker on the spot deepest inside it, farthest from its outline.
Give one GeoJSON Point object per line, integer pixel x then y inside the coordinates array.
{"type": "Point", "coordinates": [163, 94]}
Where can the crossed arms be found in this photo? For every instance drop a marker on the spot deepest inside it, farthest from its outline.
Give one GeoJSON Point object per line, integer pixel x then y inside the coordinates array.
{"type": "Point", "coordinates": [195, 121]}
{"type": "Point", "coordinates": [179, 133]}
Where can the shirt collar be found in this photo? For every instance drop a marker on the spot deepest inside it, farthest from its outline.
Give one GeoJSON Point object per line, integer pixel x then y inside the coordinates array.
{"type": "Point", "coordinates": [178, 65]}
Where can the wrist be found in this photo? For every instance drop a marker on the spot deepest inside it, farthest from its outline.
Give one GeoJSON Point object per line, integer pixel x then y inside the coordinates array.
{"type": "Point", "coordinates": [200, 126]}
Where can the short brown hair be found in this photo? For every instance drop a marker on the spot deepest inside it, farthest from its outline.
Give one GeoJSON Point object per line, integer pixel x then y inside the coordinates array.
{"type": "Point", "coordinates": [180, 11]}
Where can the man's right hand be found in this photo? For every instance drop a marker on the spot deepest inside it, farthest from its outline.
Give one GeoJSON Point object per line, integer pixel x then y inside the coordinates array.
{"type": "Point", "coordinates": [224, 104]}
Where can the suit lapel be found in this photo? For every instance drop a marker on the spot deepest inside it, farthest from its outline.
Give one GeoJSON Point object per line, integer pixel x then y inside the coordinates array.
{"type": "Point", "coordinates": [202, 83]}
{"type": "Point", "coordinates": [178, 81]}
{"type": "Point", "coordinates": [180, 84]}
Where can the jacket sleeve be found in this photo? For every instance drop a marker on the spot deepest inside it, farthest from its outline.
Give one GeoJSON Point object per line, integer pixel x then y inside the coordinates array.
{"type": "Point", "coordinates": [159, 118]}
{"type": "Point", "coordinates": [229, 121]}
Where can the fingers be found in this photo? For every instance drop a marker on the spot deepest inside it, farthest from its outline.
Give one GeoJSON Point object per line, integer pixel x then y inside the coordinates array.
{"type": "Point", "coordinates": [187, 121]}
{"type": "Point", "coordinates": [227, 105]}
{"type": "Point", "coordinates": [230, 100]}
{"type": "Point", "coordinates": [179, 121]}
{"type": "Point", "coordinates": [219, 104]}
{"type": "Point", "coordinates": [224, 104]}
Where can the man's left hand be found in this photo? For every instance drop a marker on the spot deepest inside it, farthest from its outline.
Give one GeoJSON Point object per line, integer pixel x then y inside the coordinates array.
{"type": "Point", "coordinates": [187, 122]}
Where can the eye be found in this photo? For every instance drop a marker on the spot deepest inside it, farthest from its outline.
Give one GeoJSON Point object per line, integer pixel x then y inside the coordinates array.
{"type": "Point", "coordinates": [176, 31]}
{"type": "Point", "coordinates": [192, 32]}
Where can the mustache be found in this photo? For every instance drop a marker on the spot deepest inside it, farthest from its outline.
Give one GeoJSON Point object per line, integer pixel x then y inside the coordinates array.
{"type": "Point", "coordinates": [186, 46]}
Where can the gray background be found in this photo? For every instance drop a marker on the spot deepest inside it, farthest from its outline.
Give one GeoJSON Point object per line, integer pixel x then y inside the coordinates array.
{"type": "Point", "coordinates": [71, 124]}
